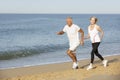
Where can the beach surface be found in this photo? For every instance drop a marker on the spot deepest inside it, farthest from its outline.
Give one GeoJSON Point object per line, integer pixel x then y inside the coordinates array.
{"type": "Point", "coordinates": [63, 71]}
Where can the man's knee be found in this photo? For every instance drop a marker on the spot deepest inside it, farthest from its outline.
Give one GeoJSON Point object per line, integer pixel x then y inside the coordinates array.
{"type": "Point", "coordinates": [68, 52]}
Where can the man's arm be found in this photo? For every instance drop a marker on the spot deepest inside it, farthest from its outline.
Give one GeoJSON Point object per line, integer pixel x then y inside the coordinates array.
{"type": "Point", "coordinates": [82, 37]}
{"type": "Point", "coordinates": [60, 33]}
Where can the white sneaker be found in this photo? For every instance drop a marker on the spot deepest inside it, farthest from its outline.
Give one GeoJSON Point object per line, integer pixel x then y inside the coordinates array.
{"type": "Point", "coordinates": [75, 65]}
{"type": "Point", "coordinates": [105, 63]}
{"type": "Point", "coordinates": [90, 66]}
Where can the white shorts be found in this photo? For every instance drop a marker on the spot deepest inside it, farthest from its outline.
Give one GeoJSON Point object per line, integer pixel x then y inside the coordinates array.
{"type": "Point", "coordinates": [74, 46]}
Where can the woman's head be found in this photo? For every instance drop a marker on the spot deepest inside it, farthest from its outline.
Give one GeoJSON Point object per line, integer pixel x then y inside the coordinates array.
{"type": "Point", "coordinates": [93, 20]}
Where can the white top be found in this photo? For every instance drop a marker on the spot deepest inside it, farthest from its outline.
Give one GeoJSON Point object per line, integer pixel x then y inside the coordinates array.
{"type": "Point", "coordinates": [94, 35]}
{"type": "Point", "coordinates": [72, 33]}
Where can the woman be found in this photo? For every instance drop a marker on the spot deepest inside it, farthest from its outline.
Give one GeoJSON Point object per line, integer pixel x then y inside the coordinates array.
{"type": "Point", "coordinates": [93, 34]}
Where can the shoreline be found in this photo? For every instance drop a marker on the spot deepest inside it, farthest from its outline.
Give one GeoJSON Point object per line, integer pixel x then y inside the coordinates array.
{"type": "Point", "coordinates": [59, 62]}
{"type": "Point", "coordinates": [65, 67]}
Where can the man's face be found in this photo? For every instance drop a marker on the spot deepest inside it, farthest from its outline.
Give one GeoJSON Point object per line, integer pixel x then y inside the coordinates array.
{"type": "Point", "coordinates": [69, 21]}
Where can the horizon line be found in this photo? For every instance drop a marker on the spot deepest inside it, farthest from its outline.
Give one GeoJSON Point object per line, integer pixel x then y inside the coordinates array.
{"type": "Point", "coordinates": [59, 13]}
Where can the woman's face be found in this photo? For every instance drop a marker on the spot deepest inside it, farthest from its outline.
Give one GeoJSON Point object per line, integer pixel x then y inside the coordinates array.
{"type": "Point", "coordinates": [92, 21]}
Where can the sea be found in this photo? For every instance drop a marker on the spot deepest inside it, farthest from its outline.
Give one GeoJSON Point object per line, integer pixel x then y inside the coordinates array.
{"type": "Point", "coordinates": [30, 39]}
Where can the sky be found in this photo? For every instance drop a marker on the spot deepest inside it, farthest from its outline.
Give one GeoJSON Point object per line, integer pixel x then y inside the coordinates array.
{"type": "Point", "coordinates": [60, 6]}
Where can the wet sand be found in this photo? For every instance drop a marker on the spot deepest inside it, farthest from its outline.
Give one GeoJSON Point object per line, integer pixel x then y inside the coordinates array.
{"type": "Point", "coordinates": [63, 71]}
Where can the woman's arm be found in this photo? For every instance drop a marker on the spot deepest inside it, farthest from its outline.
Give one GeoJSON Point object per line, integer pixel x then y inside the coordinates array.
{"type": "Point", "coordinates": [101, 32]}
{"type": "Point", "coordinates": [87, 37]}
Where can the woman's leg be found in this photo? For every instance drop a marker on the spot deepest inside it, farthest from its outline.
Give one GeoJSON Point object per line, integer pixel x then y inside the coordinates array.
{"type": "Point", "coordinates": [94, 47]}
{"type": "Point", "coordinates": [92, 52]}
{"type": "Point", "coordinates": [98, 55]}
{"type": "Point", "coordinates": [92, 57]}
{"type": "Point", "coordinates": [95, 51]}
{"type": "Point", "coordinates": [105, 62]}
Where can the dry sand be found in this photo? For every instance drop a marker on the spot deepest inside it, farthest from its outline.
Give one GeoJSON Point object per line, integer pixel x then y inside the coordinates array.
{"type": "Point", "coordinates": [63, 71]}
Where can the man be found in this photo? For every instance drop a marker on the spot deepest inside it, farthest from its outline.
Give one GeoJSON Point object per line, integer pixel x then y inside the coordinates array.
{"type": "Point", "coordinates": [73, 31]}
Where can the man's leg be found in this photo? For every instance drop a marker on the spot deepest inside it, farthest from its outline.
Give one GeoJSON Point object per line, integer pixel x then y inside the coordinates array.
{"type": "Point", "coordinates": [74, 59]}
{"type": "Point", "coordinates": [72, 55]}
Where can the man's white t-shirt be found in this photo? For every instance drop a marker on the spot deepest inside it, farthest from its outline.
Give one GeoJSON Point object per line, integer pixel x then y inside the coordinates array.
{"type": "Point", "coordinates": [73, 34]}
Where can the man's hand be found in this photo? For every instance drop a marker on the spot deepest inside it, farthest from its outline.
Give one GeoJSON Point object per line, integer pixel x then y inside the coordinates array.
{"type": "Point", "coordinates": [82, 42]}
{"type": "Point", "coordinates": [60, 33]}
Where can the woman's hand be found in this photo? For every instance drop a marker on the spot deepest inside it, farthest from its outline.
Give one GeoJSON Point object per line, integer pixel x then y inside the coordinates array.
{"type": "Point", "coordinates": [87, 37]}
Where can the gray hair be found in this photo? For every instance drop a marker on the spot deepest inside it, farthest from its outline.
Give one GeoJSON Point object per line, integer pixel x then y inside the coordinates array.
{"type": "Point", "coordinates": [69, 17]}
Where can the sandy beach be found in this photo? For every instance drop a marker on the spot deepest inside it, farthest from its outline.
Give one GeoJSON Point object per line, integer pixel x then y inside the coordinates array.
{"type": "Point", "coordinates": [63, 71]}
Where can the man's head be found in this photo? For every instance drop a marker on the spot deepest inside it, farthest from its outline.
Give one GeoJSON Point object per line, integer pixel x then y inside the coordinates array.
{"type": "Point", "coordinates": [69, 21]}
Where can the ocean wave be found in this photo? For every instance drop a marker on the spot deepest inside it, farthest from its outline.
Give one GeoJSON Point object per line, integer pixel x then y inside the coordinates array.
{"type": "Point", "coordinates": [7, 55]}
